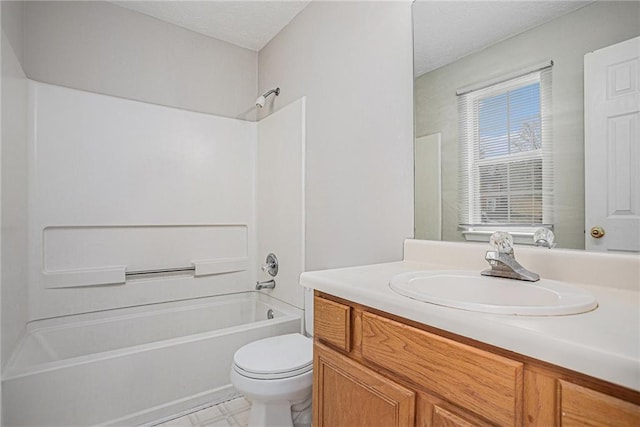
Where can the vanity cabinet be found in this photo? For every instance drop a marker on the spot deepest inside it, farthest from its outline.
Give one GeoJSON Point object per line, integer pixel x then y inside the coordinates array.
{"type": "Point", "coordinates": [376, 369]}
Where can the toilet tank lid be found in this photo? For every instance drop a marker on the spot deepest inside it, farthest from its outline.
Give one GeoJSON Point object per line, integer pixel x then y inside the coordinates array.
{"type": "Point", "coordinates": [279, 354]}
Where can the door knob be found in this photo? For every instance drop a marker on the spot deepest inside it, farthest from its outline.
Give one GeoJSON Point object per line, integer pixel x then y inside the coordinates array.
{"type": "Point", "coordinates": [597, 232]}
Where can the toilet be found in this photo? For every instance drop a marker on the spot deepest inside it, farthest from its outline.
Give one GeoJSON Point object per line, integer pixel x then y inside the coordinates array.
{"type": "Point", "coordinates": [276, 375]}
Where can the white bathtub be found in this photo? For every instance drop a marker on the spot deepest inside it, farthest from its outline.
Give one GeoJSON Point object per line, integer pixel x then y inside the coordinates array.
{"type": "Point", "coordinates": [136, 365]}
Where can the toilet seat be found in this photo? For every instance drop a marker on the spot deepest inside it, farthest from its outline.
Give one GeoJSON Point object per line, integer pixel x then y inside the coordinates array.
{"type": "Point", "coordinates": [278, 357]}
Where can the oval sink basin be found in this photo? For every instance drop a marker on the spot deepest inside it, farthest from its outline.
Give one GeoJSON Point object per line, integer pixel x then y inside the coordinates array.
{"type": "Point", "coordinates": [471, 291]}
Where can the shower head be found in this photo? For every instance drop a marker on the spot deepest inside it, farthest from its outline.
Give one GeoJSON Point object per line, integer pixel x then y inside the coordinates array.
{"type": "Point", "coordinates": [263, 98]}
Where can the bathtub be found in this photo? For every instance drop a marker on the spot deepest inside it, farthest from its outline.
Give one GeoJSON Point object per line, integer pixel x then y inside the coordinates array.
{"type": "Point", "coordinates": [135, 365]}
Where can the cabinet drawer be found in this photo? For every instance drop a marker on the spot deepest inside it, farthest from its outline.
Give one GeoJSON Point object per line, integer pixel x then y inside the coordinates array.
{"type": "Point", "coordinates": [332, 323]}
{"type": "Point", "coordinates": [484, 383]}
{"type": "Point", "coordinates": [580, 406]}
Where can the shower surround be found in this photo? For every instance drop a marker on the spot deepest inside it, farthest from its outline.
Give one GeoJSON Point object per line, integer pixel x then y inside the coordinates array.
{"type": "Point", "coordinates": [118, 188]}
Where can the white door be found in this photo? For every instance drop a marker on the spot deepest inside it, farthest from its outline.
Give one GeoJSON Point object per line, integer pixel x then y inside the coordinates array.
{"type": "Point", "coordinates": [612, 147]}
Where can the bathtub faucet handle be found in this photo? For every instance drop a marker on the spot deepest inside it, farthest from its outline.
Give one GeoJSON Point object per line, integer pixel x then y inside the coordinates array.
{"type": "Point", "coordinates": [271, 265]}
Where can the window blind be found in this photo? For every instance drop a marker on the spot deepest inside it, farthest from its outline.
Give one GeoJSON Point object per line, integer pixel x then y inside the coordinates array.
{"type": "Point", "coordinates": [506, 165]}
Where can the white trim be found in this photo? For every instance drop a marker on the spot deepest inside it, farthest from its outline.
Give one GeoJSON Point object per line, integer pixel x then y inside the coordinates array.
{"type": "Point", "coordinates": [471, 161]}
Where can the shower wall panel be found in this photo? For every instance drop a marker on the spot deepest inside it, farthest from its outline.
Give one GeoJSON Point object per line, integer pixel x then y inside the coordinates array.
{"type": "Point", "coordinates": [281, 198]}
{"type": "Point", "coordinates": [119, 186]}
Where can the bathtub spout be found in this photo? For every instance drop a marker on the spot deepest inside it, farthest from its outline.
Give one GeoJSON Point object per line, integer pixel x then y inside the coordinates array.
{"type": "Point", "coordinates": [267, 284]}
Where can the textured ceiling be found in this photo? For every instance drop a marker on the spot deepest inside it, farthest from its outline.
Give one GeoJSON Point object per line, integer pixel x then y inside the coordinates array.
{"type": "Point", "coordinates": [448, 30]}
{"type": "Point", "coordinates": [444, 30]}
{"type": "Point", "coordinates": [249, 24]}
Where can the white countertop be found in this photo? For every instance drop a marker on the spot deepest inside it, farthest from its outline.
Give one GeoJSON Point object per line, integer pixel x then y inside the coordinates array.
{"type": "Point", "coordinates": [604, 343]}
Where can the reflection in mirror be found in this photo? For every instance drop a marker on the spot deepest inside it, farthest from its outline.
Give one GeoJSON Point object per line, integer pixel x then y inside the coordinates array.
{"type": "Point", "coordinates": [499, 96]}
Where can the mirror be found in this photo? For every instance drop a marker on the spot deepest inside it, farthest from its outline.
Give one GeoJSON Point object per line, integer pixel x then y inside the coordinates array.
{"type": "Point", "coordinates": [467, 44]}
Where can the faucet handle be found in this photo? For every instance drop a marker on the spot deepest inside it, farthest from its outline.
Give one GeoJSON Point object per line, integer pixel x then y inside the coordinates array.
{"type": "Point", "coordinates": [502, 242]}
{"type": "Point", "coordinates": [271, 265]}
{"type": "Point", "coordinates": [544, 237]}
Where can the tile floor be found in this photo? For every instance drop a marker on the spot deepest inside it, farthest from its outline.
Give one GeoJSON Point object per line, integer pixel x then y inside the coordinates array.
{"type": "Point", "coordinates": [232, 413]}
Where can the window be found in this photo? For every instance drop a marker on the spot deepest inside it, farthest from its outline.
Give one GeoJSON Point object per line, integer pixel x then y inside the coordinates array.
{"type": "Point", "coordinates": [506, 170]}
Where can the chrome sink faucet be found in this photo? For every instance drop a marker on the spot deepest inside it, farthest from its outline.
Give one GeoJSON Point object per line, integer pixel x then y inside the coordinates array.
{"type": "Point", "coordinates": [502, 260]}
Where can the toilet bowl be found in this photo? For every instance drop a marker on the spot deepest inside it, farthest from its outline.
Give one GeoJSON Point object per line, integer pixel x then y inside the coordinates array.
{"type": "Point", "coordinates": [275, 375]}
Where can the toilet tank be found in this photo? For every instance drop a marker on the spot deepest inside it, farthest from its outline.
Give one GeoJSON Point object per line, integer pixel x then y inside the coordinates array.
{"type": "Point", "coordinates": [308, 311]}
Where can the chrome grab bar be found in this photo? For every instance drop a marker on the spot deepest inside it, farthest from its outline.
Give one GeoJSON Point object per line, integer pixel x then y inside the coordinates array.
{"type": "Point", "coordinates": [159, 271]}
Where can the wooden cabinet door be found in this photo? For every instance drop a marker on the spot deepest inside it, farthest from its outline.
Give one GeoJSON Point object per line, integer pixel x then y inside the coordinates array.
{"type": "Point", "coordinates": [432, 411]}
{"type": "Point", "coordinates": [347, 394]}
{"type": "Point", "coordinates": [444, 418]}
{"type": "Point", "coordinates": [580, 406]}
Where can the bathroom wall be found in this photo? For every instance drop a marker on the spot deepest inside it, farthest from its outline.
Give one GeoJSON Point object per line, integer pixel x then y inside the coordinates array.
{"type": "Point", "coordinates": [565, 41]}
{"type": "Point", "coordinates": [13, 27]}
{"type": "Point", "coordinates": [104, 48]}
{"type": "Point", "coordinates": [357, 81]}
{"type": "Point", "coordinates": [13, 88]}
{"type": "Point", "coordinates": [353, 62]}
